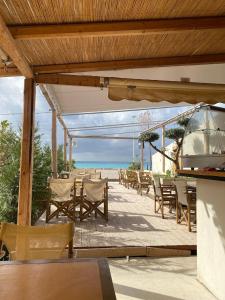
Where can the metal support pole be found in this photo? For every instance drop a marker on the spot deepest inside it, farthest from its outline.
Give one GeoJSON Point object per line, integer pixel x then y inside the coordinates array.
{"type": "Point", "coordinates": [54, 144]}
{"type": "Point", "coordinates": [65, 149]}
{"type": "Point", "coordinates": [71, 153]}
{"type": "Point", "coordinates": [163, 148]}
{"type": "Point", "coordinates": [142, 156]}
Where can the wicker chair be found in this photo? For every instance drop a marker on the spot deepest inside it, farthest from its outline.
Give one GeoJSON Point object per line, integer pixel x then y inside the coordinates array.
{"type": "Point", "coordinates": [37, 242]}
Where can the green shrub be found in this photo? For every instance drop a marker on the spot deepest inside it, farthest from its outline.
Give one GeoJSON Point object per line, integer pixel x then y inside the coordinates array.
{"type": "Point", "coordinates": [134, 166]}
{"type": "Point", "coordinates": [9, 173]}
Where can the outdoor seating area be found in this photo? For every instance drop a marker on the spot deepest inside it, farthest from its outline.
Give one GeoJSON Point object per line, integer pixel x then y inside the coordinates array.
{"type": "Point", "coordinates": [132, 220]}
{"type": "Point", "coordinates": [177, 194]}
{"type": "Point", "coordinates": [133, 86]}
{"type": "Point", "coordinates": [78, 195]}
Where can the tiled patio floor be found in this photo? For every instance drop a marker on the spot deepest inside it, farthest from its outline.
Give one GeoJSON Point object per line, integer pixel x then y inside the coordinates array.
{"type": "Point", "coordinates": [132, 222]}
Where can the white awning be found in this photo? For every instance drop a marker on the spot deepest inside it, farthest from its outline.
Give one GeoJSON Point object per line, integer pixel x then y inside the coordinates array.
{"type": "Point", "coordinates": [77, 99]}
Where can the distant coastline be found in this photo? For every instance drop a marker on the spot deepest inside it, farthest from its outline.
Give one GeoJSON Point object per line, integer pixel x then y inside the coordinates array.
{"type": "Point", "coordinates": [103, 165]}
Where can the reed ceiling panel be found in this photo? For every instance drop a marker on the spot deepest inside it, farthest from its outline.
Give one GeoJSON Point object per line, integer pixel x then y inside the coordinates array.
{"type": "Point", "coordinates": [66, 11]}
{"type": "Point", "coordinates": [88, 49]}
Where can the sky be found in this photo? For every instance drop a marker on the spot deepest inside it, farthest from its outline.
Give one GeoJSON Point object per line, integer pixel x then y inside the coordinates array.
{"type": "Point", "coordinates": [11, 106]}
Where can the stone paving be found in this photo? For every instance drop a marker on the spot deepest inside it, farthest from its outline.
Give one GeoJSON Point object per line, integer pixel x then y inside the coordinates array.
{"type": "Point", "coordinates": [132, 222]}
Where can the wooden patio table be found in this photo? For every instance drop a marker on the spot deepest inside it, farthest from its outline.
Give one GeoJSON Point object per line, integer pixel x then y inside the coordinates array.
{"type": "Point", "coordinates": [81, 279]}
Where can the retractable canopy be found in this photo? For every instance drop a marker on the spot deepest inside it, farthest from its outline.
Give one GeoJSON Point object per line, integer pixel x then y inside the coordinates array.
{"type": "Point", "coordinates": [156, 87]}
{"type": "Point", "coordinates": [171, 91]}
{"type": "Point", "coordinates": [76, 99]}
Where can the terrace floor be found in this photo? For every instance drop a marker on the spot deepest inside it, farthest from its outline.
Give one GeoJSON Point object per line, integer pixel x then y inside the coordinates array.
{"type": "Point", "coordinates": [132, 222]}
{"type": "Point", "coordinates": [170, 278]}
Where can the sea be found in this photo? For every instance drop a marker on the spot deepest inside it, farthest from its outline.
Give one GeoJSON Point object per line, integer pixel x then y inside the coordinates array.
{"type": "Point", "coordinates": [104, 165]}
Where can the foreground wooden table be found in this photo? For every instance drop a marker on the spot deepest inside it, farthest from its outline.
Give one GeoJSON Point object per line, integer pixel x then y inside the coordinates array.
{"type": "Point", "coordinates": [81, 279]}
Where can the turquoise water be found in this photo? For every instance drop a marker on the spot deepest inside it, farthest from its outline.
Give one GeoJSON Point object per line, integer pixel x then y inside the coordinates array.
{"type": "Point", "coordinates": [102, 165]}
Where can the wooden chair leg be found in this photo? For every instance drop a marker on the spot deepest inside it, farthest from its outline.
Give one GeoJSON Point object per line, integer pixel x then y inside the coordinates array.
{"type": "Point", "coordinates": [70, 250]}
{"type": "Point", "coordinates": [177, 212]}
{"type": "Point", "coordinates": [162, 208]}
{"type": "Point", "coordinates": [81, 212]}
{"type": "Point", "coordinates": [189, 218]}
{"type": "Point", "coordinates": [74, 209]}
{"type": "Point", "coordinates": [106, 211]}
{"type": "Point", "coordinates": [48, 212]}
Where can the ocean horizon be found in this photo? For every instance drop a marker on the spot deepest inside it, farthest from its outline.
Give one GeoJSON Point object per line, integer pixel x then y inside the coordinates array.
{"type": "Point", "coordinates": [104, 165]}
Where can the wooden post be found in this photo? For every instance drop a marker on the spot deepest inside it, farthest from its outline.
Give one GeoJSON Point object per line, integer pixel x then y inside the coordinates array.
{"type": "Point", "coordinates": [163, 148]}
{"type": "Point", "coordinates": [54, 145]}
{"type": "Point", "coordinates": [65, 149]}
{"type": "Point", "coordinates": [26, 157]}
{"type": "Point", "coordinates": [71, 153]}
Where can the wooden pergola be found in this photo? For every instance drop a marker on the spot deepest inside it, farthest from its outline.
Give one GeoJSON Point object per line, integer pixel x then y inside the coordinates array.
{"type": "Point", "coordinates": [42, 41]}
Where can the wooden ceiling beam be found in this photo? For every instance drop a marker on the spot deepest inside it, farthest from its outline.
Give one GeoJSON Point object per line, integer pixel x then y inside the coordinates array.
{"type": "Point", "coordinates": [100, 81]}
{"type": "Point", "coordinates": [120, 64]}
{"type": "Point", "coordinates": [9, 72]}
{"type": "Point", "coordinates": [8, 45]}
{"type": "Point", "coordinates": [118, 28]}
{"type": "Point", "coordinates": [94, 81]}
{"type": "Point", "coordinates": [131, 64]}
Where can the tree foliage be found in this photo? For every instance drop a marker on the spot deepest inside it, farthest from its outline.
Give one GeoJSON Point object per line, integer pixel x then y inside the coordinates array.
{"type": "Point", "coordinates": [175, 134]}
{"type": "Point", "coordinates": [135, 165]}
{"type": "Point", "coordinates": [183, 122]}
{"type": "Point", "coordinates": [149, 137]}
{"type": "Point", "coordinates": [9, 172]}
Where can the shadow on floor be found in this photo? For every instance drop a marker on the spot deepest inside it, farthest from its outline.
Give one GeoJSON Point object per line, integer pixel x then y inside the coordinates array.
{"type": "Point", "coordinates": [151, 265]}
{"type": "Point", "coordinates": [141, 294]}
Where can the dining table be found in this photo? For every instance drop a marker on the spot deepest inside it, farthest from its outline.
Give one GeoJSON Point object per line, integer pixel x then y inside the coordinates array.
{"type": "Point", "coordinates": [69, 279]}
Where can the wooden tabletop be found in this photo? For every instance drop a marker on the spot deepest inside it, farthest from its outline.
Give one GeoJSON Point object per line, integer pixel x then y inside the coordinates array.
{"type": "Point", "coordinates": [204, 174]}
{"type": "Point", "coordinates": [70, 279]}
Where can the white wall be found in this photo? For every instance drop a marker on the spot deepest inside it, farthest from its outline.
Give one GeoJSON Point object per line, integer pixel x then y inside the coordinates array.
{"type": "Point", "coordinates": [211, 235]}
{"type": "Point", "coordinates": [157, 161]}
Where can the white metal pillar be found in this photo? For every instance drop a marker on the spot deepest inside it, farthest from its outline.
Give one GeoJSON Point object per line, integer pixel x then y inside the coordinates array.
{"type": "Point", "coordinates": [163, 148]}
